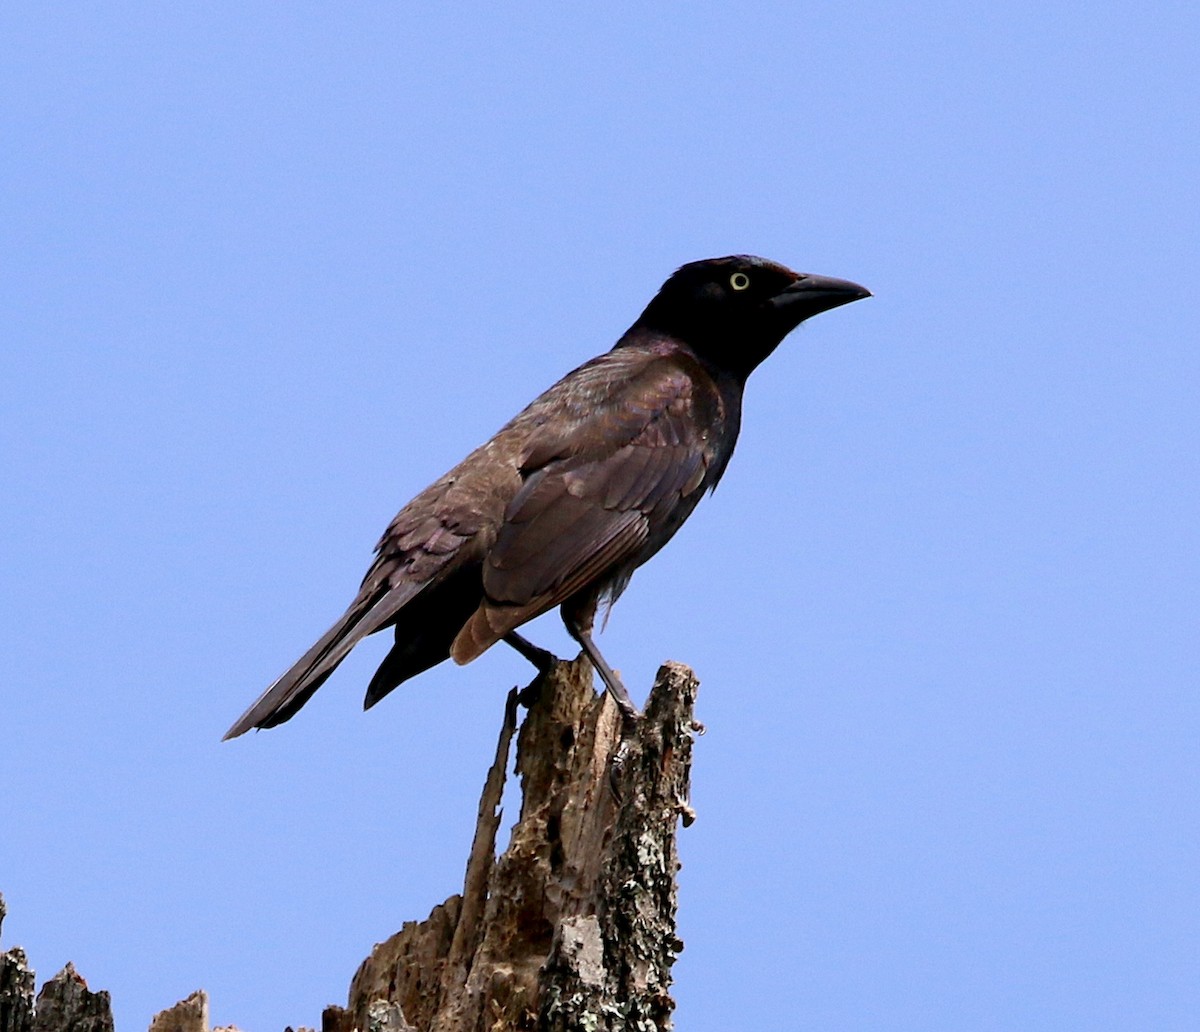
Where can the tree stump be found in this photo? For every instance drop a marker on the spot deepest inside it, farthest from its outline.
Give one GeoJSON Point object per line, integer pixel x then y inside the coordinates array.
{"type": "Point", "coordinates": [574, 925]}
{"type": "Point", "coordinates": [66, 1004]}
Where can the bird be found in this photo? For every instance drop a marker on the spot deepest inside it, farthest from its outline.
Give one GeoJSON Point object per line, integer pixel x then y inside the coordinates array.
{"type": "Point", "coordinates": [574, 493]}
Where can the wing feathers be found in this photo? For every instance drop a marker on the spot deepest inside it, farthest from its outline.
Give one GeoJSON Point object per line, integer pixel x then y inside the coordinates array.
{"type": "Point", "coordinates": [591, 515]}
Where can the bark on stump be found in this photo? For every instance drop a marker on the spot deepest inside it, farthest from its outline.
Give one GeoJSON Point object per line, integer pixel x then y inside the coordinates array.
{"type": "Point", "coordinates": [66, 1004]}
{"type": "Point", "coordinates": [17, 982]}
{"type": "Point", "coordinates": [573, 927]}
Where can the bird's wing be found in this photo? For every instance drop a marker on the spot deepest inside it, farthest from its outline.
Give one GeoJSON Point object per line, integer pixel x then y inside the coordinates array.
{"type": "Point", "coordinates": [606, 483]}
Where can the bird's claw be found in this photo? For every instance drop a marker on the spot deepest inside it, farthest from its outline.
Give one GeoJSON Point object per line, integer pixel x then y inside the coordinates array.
{"type": "Point", "coordinates": [529, 695]}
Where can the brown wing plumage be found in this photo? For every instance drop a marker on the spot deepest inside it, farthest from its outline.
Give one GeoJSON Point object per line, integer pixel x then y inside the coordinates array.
{"type": "Point", "coordinates": [602, 494]}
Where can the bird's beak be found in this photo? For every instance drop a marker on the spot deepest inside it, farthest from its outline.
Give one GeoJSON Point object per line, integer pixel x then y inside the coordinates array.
{"type": "Point", "coordinates": [811, 295]}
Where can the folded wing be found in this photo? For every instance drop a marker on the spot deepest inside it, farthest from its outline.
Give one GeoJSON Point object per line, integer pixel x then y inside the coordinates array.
{"type": "Point", "coordinates": [602, 493]}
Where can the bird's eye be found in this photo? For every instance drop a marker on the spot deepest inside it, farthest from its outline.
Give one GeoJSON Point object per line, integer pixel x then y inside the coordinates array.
{"type": "Point", "coordinates": [739, 281]}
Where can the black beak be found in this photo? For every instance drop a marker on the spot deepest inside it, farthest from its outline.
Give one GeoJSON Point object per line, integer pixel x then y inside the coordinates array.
{"type": "Point", "coordinates": [812, 295]}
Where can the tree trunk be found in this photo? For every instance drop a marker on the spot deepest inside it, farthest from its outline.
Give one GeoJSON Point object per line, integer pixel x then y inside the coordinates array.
{"type": "Point", "coordinates": [574, 925]}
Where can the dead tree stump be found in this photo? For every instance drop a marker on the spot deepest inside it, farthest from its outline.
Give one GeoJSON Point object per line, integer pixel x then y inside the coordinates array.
{"type": "Point", "coordinates": [573, 926]}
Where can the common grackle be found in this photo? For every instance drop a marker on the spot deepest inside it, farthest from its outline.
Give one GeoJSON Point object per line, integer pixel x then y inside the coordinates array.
{"type": "Point", "coordinates": [575, 493]}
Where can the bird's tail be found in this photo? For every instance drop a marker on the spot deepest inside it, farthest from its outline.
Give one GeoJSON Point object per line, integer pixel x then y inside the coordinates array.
{"type": "Point", "coordinates": [284, 698]}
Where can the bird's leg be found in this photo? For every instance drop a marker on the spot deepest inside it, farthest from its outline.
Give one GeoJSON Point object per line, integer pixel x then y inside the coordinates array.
{"type": "Point", "coordinates": [579, 618]}
{"type": "Point", "coordinates": [611, 681]}
{"type": "Point", "coordinates": [582, 633]}
{"type": "Point", "coordinates": [543, 659]}
{"type": "Point", "coordinates": [579, 614]}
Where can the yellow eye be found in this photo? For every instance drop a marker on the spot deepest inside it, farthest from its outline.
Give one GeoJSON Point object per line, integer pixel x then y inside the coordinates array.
{"type": "Point", "coordinates": [739, 281]}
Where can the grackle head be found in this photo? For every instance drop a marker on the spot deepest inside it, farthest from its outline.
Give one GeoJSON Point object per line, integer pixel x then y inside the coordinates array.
{"type": "Point", "coordinates": [734, 311]}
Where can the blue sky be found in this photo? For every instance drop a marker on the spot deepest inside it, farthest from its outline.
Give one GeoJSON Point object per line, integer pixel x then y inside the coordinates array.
{"type": "Point", "coordinates": [269, 269]}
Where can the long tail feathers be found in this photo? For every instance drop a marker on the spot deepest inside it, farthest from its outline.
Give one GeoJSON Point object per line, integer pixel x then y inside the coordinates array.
{"type": "Point", "coordinates": [291, 691]}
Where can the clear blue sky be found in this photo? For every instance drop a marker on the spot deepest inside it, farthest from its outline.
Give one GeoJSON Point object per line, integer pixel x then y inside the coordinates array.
{"type": "Point", "coordinates": [269, 269]}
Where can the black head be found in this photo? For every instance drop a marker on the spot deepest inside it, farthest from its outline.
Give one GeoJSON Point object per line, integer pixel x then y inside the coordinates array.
{"type": "Point", "coordinates": [735, 311]}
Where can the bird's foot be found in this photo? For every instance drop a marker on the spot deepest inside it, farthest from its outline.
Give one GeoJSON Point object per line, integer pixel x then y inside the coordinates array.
{"type": "Point", "coordinates": [531, 693]}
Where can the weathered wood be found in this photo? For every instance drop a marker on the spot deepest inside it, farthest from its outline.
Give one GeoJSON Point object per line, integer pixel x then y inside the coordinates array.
{"type": "Point", "coordinates": [66, 1004]}
{"type": "Point", "coordinates": [190, 1015]}
{"type": "Point", "coordinates": [574, 925]}
{"type": "Point", "coordinates": [16, 992]}
{"type": "Point", "coordinates": [17, 983]}
{"type": "Point", "coordinates": [610, 967]}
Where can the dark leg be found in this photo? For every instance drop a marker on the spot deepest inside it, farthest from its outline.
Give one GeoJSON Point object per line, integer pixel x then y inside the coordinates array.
{"type": "Point", "coordinates": [540, 658]}
{"type": "Point", "coordinates": [579, 619]}
{"type": "Point", "coordinates": [579, 614]}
